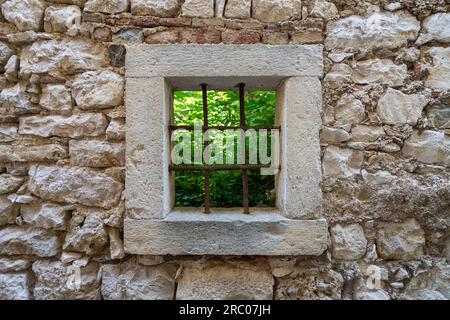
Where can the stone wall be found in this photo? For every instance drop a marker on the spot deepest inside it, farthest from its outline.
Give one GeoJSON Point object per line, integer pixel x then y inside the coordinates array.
{"type": "Point", "coordinates": [385, 148]}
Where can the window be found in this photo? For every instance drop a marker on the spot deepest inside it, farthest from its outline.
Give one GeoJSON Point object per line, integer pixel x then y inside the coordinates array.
{"type": "Point", "coordinates": [225, 117]}
{"type": "Point", "coordinates": [153, 224]}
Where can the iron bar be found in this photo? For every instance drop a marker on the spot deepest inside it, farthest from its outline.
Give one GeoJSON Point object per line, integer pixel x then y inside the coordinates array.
{"type": "Point", "coordinates": [205, 123]}
{"type": "Point", "coordinates": [174, 127]}
{"type": "Point", "coordinates": [208, 168]}
{"type": "Point", "coordinates": [244, 152]}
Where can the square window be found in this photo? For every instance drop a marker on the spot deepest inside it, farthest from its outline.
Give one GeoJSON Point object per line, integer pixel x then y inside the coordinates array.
{"type": "Point", "coordinates": [153, 224]}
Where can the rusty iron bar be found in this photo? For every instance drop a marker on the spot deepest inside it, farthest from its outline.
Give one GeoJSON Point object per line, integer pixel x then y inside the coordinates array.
{"type": "Point", "coordinates": [205, 123]}
{"type": "Point", "coordinates": [244, 153]}
{"type": "Point", "coordinates": [174, 127]}
{"type": "Point", "coordinates": [232, 167]}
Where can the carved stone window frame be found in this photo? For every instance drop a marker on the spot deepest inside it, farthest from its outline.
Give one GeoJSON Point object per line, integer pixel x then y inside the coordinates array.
{"type": "Point", "coordinates": [152, 226]}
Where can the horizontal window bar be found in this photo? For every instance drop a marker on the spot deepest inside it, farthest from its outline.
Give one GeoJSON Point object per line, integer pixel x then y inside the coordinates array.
{"type": "Point", "coordinates": [173, 127]}
{"type": "Point", "coordinates": [220, 167]}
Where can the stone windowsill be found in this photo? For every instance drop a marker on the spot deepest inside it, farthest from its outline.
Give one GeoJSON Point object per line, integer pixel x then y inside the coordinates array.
{"type": "Point", "coordinates": [226, 232]}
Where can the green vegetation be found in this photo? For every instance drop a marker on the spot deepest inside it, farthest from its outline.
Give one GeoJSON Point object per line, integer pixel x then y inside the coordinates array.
{"type": "Point", "coordinates": [226, 186]}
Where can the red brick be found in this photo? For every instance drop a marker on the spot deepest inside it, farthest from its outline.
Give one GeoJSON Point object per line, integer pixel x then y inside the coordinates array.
{"type": "Point", "coordinates": [47, 79]}
{"type": "Point", "coordinates": [208, 22]}
{"type": "Point", "coordinates": [163, 37]}
{"type": "Point", "coordinates": [307, 37]}
{"type": "Point", "coordinates": [240, 37]}
{"type": "Point", "coordinates": [148, 22]}
{"type": "Point", "coordinates": [244, 24]}
{"type": "Point", "coordinates": [200, 36]}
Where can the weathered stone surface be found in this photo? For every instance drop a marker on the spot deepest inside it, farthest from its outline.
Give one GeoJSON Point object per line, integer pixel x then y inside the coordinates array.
{"type": "Point", "coordinates": [98, 90]}
{"type": "Point", "coordinates": [349, 110]}
{"type": "Point", "coordinates": [13, 265]}
{"type": "Point", "coordinates": [17, 100]}
{"type": "Point", "coordinates": [219, 8]}
{"type": "Point", "coordinates": [301, 101]}
{"type": "Point", "coordinates": [14, 287]}
{"type": "Point", "coordinates": [382, 71]}
{"type": "Point", "coordinates": [431, 285]}
{"type": "Point", "coordinates": [223, 234]}
{"type": "Point", "coordinates": [158, 8]}
{"type": "Point", "coordinates": [224, 282]}
{"type": "Point", "coordinates": [62, 57]}
{"type": "Point", "coordinates": [21, 198]}
{"type": "Point", "coordinates": [198, 8]}
{"type": "Point", "coordinates": [403, 241]}
{"type": "Point", "coordinates": [380, 30]}
{"type": "Point", "coordinates": [103, 6]}
{"type": "Point", "coordinates": [378, 178]}
{"type": "Point", "coordinates": [111, 217]}
{"type": "Point", "coordinates": [8, 133]}
{"type": "Point", "coordinates": [55, 281]}
{"type": "Point", "coordinates": [310, 281]}
{"type": "Point", "coordinates": [115, 130]}
{"type": "Point", "coordinates": [16, 240]}
{"type": "Point", "coordinates": [324, 9]}
{"type": "Point", "coordinates": [363, 293]}
{"type": "Point", "coordinates": [348, 242]}
{"type": "Point", "coordinates": [435, 27]}
{"type": "Point", "coordinates": [12, 69]}
{"type": "Point", "coordinates": [46, 215]}
{"type": "Point", "coordinates": [439, 118]}
{"type": "Point", "coordinates": [340, 74]}
{"type": "Point", "coordinates": [128, 35]}
{"type": "Point", "coordinates": [23, 153]}
{"type": "Point", "coordinates": [208, 60]}
{"type": "Point", "coordinates": [275, 38]}
{"type": "Point", "coordinates": [74, 185]}
{"type": "Point", "coordinates": [90, 238]}
{"type": "Point", "coordinates": [68, 257]}
{"type": "Point", "coordinates": [5, 53]}
{"type": "Point", "coordinates": [238, 9]}
{"type": "Point", "coordinates": [116, 249]}
{"type": "Point", "coordinates": [79, 3]}
{"type": "Point", "coordinates": [130, 281]}
{"type": "Point", "coordinates": [96, 153]}
{"type": "Point", "coordinates": [364, 133]}
{"type": "Point", "coordinates": [395, 107]}
{"type": "Point", "coordinates": [333, 135]}
{"type": "Point", "coordinates": [429, 147]}
{"type": "Point", "coordinates": [439, 77]}
{"type": "Point", "coordinates": [446, 251]}
{"type": "Point", "coordinates": [76, 126]}
{"type": "Point", "coordinates": [56, 98]}
{"type": "Point", "coordinates": [61, 19]}
{"type": "Point", "coordinates": [276, 10]}
{"type": "Point", "coordinates": [9, 183]}
{"type": "Point", "coordinates": [341, 162]}
{"type": "Point", "coordinates": [8, 211]}
{"type": "Point", "coordinates": [24, 14]}
{"type": "Point", "coordinates": [308, 37]}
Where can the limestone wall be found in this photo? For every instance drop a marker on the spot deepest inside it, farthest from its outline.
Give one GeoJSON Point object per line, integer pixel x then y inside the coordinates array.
{"type": "Point", "coordinates": [385, 148]}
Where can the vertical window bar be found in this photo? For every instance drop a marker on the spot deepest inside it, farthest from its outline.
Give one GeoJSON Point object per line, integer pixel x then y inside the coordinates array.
{"type": "Point", "coordinates": [244, 152]}
{"type": "Point", "coordinates": [205, 123]}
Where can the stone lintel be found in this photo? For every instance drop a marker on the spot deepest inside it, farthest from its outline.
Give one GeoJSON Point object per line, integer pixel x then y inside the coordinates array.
{"type": "Point", "coordinates": [193, 60]}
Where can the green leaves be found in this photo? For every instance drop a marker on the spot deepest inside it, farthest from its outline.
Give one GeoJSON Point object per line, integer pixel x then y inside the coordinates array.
{"type": "Point", "coordinates": [223, 110]}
